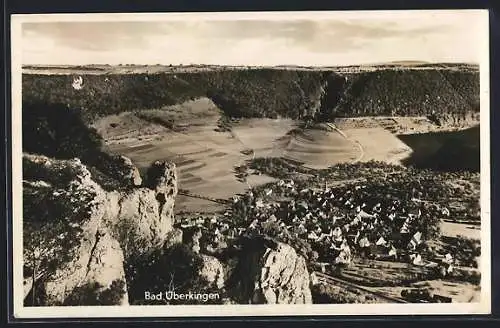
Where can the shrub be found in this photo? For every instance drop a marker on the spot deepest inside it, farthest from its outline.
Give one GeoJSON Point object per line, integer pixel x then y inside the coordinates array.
{"type": "Point", "coordinates": [176, 268]}
{"type": "Point", "coordinates": [93, 294]}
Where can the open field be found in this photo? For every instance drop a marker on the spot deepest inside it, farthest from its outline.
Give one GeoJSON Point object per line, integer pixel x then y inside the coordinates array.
{"type": "Point", "coordinates": [138, 69]}
{"type": "Point", "coordinates": [206, 159]}
{"type": "Point", "coordinates": [263, 135]}
{"type": "Point", "coordinates": [452, 229]}
{"type": "Point", "coordinates": [319, 149]}
{"type": "Point", "coordinates": [205, 162]}
{"type": "Point", "coordinates": [391, 278]}
{"type": "Point", "coordinates": [378, 144]}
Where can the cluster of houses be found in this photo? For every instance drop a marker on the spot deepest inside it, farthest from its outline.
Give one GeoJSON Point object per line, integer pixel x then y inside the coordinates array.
{"type": "Point", "coordinates": [338, 223]}
{"type": "Point", "coordinates": [216, 230]}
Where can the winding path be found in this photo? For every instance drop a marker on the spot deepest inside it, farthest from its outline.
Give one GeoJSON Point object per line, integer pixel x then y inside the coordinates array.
{"type": "Point", "coordinates": [361, 150]}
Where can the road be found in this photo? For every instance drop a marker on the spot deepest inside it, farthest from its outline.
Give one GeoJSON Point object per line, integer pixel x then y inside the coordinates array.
{"type": "Point", "coordinates": [215, 200]}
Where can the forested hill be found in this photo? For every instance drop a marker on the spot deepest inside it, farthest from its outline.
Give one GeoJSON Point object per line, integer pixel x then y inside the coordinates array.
{"type": "Point", "coordinates": [265, 92]}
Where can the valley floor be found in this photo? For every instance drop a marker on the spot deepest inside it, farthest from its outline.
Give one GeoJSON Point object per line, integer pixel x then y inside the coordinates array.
{"type": "Point", "coordinates": [206, 159]}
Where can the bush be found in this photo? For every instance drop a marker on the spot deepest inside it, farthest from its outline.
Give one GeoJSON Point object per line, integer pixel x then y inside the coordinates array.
{"type": "Point", "coordinates": [329, 294]}
{"type": "Point", "coordinates": [176, 268]}
{"type": "Point", "coordinates": [93, 294]}
{"type": "Point", "coordinates": [58, 131]}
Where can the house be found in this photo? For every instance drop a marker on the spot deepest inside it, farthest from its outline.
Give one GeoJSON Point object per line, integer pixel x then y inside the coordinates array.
{"type": "Point", "coordinates": [313, 236]}
{"type": "Point", "coordinates": [336, 233]}
{"type": "Point", "coordinates": [405, 228]}
{"type": "Point", "coordinates": [377, 251]}
{"type": "Point", "coordinates": [416, 259]}
{"type": "Point", "coordinates": [364, 242]}
{"type": "Point", "coordinates": [344, 256]}
{"type": "Point", "coordinates": [77, 83]}
{"type": "Point", "coordinates": [416, 240]}
{"type": "Point", "coordinates": [393, 252]}
{"type": "Point", "coordinates": [259, 203]}
{"type": "Point", "coordinates": [303, 204]}
{"type": "Point", "coordinates": [381, 242]}
{"type": "Point", "coordinates": [364, 215]}
{"type": "Point", "coordinates": [314, 279]}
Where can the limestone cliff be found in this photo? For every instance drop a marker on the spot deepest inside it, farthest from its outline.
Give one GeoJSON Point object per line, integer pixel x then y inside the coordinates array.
{"type": "Point", "coordinates": [212, 271]}
{"type": "Point", "coordinates": [77, 235]}
{"type": "Point", "coordinates": [271, 272]}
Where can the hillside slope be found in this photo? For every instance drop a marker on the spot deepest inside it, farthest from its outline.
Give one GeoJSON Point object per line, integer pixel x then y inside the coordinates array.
{"type": "Point", "coordinates": [266, 92]}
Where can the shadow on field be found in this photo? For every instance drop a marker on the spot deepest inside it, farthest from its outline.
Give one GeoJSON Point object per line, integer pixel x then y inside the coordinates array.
{"type": "Point", "coordinates": [444, 151]}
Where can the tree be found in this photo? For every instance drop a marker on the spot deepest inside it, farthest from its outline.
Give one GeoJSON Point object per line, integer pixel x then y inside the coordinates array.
{"type": "Point", "coordinates": [47, 247]}
{"type": "Point", "coordinates": [51, 232]}
{"type": "Point", "coordinates": [175, 268]}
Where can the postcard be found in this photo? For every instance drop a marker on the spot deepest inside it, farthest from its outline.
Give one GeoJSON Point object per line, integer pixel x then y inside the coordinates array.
{"type": "Point", "coordinates": [251, 164]}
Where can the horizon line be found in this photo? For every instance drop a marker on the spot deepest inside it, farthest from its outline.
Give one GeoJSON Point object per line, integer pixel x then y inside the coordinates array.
{"type": "Point", "coordinates": [395, 62]}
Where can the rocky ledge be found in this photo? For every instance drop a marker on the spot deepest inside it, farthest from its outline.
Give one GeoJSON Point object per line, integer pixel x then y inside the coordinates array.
{"type": "Point", "coordinates": [77, 235]}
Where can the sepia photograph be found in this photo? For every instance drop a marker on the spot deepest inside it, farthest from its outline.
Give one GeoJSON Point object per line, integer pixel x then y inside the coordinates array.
{"type": "Point", "coordinates": [251, 164]}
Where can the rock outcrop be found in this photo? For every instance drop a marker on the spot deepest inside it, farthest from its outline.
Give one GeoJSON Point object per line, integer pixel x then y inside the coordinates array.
{"type": "Point", "coordinates": [212, 271]}
{"type": "Point", "coordinates": [271, 272]}
{"type": "Point", "coordinates": [191, 237]}
{"type": "Point", "coordinates": [77, 235]}
{"type": "Point", "coordinates": [130, 172]}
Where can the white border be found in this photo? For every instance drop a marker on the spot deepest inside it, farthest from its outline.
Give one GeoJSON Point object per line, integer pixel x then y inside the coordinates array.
{"type": "Point", "coordinates": [482, 307]}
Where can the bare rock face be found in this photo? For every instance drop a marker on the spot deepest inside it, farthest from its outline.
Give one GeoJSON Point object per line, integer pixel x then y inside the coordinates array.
{"type": "Point", "coordinates": [212, 271]}
{"type": "Point", "coordinates": [272, 273]}
{"type": "Point", "coordinates": [104, 280]}
{"type": "Point", "coordinates": [145, 215]}
{"type": "Point", "coordinates": [76, 235]}
{"type": "Point", "coordinates": [191, 237]}
{"type": "Point", "coordinates": [162, 178]}
{"type": "Point", "coordinates": [173, 237]}
{"type": "Point", "coordinates": [130, 172]}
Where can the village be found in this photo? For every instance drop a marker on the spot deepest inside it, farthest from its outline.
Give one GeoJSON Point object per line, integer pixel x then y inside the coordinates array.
{"type": "Point", "coordinates": [333, 226]}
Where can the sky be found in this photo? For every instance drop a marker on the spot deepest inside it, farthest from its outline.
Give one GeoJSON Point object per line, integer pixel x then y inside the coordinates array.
{"type": "Point", "coordinates": [260, 39]}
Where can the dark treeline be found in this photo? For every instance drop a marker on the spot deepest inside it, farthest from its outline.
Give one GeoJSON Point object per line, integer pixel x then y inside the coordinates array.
{"type": "Point", "coordinates": [409, 93]}
{"type": "Point", "coordinates": [58, 131]}
{"type": "Point", "coordinates": [267, 92]}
